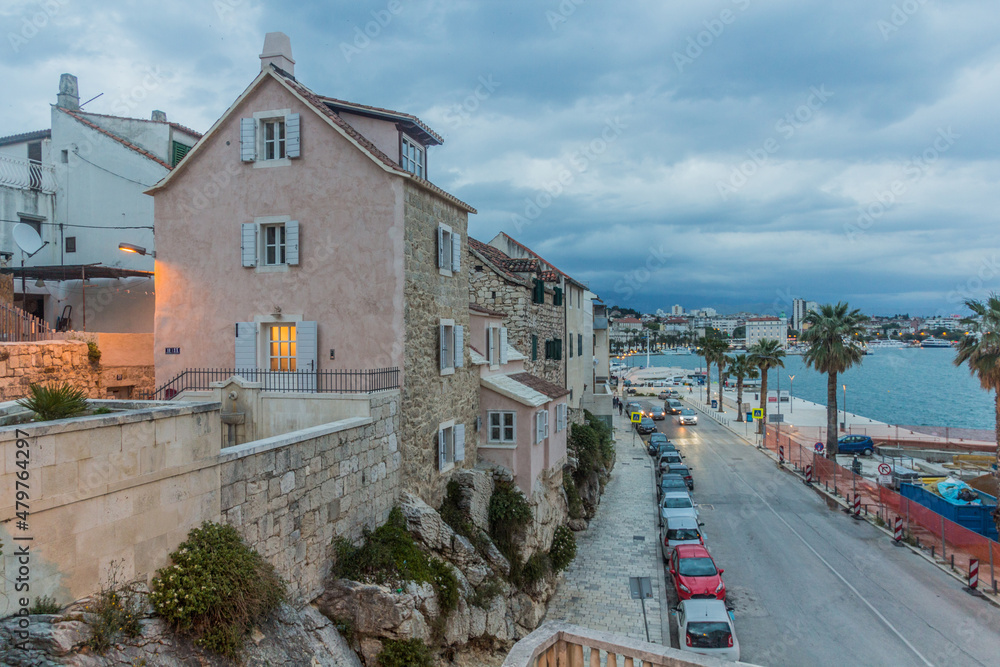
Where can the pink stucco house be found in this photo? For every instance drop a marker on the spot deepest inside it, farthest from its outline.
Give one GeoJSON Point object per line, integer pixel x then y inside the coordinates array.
{"type": "Point", "coordinates": [301, 238]}
{"type": "Point", "coordinates": [524, 417]}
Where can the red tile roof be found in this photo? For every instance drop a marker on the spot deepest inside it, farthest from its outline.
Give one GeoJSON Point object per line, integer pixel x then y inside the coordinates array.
{"type": "Point", "coordinates": [629, 320]}
{"type": "Point", "coordinates": [496, 258]}
{"type": "Point", "coordinates": [540, 385]}
{"type": "Point", "coordinates": [122, 141]}
{"type": "Point", "coordinates": [535, 254]}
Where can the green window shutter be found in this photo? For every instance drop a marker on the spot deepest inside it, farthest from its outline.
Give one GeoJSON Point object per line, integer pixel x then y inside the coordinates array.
{"type": "Point", "coordinates": [539, 294]}
{"type": "Point", "coordinates": [558, 346]}
{"type": "Point", "coordinates": [534, 347]}
{"type": "Point", "coordinates": [557, 298]}
{"type": "Point", "coordinates": [178, 151]}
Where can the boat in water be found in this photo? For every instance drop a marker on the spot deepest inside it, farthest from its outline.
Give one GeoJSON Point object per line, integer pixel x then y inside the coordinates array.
{"type": "Point", "coordinates": [935, 342]}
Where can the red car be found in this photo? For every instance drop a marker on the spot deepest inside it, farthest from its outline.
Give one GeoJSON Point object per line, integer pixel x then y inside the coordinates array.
{"type": "Point", "coordinates": [695, 575]}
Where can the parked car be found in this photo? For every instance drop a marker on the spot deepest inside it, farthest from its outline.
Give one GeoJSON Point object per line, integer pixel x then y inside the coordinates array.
{"type": "Point", "coordinates": [669, 483]}
{"type": "Point", "coordinates": [706, 627]}
{"type": "Point", "coordinates": [645, 426]}
{"type": "Point", "coordinates": [673, 406]}
{"type": "Point", "coordinates": [855, 444]}
{"type": "Point", "coordinates": [664, 462]}
{"type": "Point", "coordinates": [633, 406]}
{"type": "Point", "coordinates": [683, 471]}
{"type": "Point", "coordinates": [657, 413]}
{"type": "Point", "coordinates": [655, 440]}
{"type": "Point", "coordinates": [695, 575]}
{"type": "Point", "coordinates": [687, 417]}
{"type": "Point", "coordinates": [679, 530]}
{"type": "Point", "coordinates": [677, 503]}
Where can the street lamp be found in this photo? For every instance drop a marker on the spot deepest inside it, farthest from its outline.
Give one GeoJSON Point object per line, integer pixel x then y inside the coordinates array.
{"type": "Point", "coordinates": [137, 249]}
{"type": "Point", "coordinates": [791, 397]}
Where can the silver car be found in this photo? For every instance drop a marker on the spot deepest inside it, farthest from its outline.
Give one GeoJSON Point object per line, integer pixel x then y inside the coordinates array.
{"type": "Point", "coordinates": [677, 503]}
{"type": "Point", "coordinates": [679, 530]}
{"type": "Point", "coordinates": [706, 627]}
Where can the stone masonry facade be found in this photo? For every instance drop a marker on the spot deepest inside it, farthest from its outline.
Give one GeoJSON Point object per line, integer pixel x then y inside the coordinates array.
{"type": "Point", "coordinates": [430, 398]}
{"type": "Point", "coordinates": [47, 362]}
{"type": "Point", "coordinates": [524, 318]}
{"type": "Point", "coordinates": [291, 501]}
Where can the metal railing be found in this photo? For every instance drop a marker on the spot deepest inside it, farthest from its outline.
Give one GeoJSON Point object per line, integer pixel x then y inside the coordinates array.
{"type": "Point", "coordinates": [29, 174]}
{"type": "Point", "coordinates": [17, 326]}
{"type": "Point", "coordinates": [324, 381]}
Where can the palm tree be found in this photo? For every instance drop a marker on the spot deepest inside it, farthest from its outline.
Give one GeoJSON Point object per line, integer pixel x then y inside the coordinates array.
{"type": "Point", "coordinates": [717, 348]}
{"type": "Point", "coordinates": [765, 354]}
{"type": "Point", "coordinates": [702, 350]}
{"type": "Point", "coordinates": [832, 338]}
{"type": "Point", "coordinates": [980, 350]}
{"type": "Point", "coordinates": [741, 366]}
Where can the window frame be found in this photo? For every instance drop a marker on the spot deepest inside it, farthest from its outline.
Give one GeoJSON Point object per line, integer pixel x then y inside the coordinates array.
{"type": "Point", "coordinates": [416, 156]}
{"type": "Point", "coordinates": [276, 145]}
{"type": "Point", "coordinates": [447, 430]}
{"type": "Point", "coordinates": [261, 118]}
{"type": "Point", "coordinates": [291, 357]}
{"type": "Point", "coordinates": [502, 427]}
{"type": "Point", "coordinates": [70, 243]}
{"type": "Point", "coordinates": [280, 247]}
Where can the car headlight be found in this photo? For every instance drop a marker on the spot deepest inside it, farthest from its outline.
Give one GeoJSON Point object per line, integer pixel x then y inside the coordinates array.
{"type": "Point", "coordinates": [684, 588]}
{"type": "Point", "coordinates": [719, 587]}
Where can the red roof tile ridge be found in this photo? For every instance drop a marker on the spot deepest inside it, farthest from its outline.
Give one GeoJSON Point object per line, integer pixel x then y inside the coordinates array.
{"type": "Point", "coordinates": [124, 142]}
{"type": "Point", "coordinates": [489, 254]}
{"type": "Point", "coordinates": [535, 254]}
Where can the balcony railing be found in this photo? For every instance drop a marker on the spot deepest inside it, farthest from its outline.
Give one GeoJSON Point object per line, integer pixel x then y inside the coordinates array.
{"type": "Point", "coordinates": [600, 323]}
{"type": "Point", "coordinates": [27, 174]}
{"type": "Point", "coordinates": [330, 381]}
{"type": "Point", "coordinates": [561, 644]}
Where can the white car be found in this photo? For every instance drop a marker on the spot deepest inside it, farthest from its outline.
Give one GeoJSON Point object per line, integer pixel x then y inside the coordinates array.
{"type": "Point", "coordinates": [677, 503]}
{"type": "Point", "coordinates": [706, 627]}
{"type": "Point", "coordinates": [688, 417]}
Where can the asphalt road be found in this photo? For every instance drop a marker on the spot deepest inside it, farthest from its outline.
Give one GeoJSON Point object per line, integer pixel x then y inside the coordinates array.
{"type": "Point", "coordinates": [811, 586]}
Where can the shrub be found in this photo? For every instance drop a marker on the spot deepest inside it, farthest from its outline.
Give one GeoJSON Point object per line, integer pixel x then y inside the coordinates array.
{"type": "Point", "coordinates": [536, 568]}
{"type": "Point", "coordinates": [116, 611]}
{"type": "Point", "coordinates": [563, 549]}
{"type": "Point", "coordinates": [509, 513]}
{"type": "Point", "coordinates": [454, 517]}
{"type": "Point", "coordinates": [55, 402]}
{"type": "Point", "coordinates": [572, 496]}
{"type": "Point", "coordinates": [390, 556]}
{"type": "Point", "coordinates": [217, 589]}
{"type": "Point", "coordinates": [93, 352]}
{"type": "Point", "coordinates": [405, 653]}
{"type": "Point", "coordinates": [489, 589]}
{"type": "Point", "coordinates": [45, 605]}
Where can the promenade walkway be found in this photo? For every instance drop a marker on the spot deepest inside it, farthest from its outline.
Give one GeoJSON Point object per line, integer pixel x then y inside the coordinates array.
{"type": "Point", "coordinates": [621, 542]}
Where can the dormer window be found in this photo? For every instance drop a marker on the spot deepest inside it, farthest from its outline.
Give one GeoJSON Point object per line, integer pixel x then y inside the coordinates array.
{"type": "Point", "coordinates": [413, 159]}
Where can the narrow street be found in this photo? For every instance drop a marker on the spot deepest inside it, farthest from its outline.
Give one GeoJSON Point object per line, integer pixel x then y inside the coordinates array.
{"type": "Point", "coordinates": [810, 586]}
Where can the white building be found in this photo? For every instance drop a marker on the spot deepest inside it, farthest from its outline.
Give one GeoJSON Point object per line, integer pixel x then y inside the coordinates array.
{"type": "Point", "coordinates": [773, 328]}
{"type": "Point", "coordinates": [950, 322]}
{"type": "Point", "coordinates": [726, 325]}
{"type": "Point", "coordinates": [677, 311]}
{"type": "Point", "coordinates": [85, 195]}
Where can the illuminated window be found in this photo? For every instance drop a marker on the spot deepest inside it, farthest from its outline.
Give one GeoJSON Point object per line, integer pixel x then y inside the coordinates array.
{"type": "Point", "coordinates": [281, 350]}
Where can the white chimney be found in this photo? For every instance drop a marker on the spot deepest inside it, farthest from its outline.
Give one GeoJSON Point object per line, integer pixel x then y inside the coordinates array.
{"type": "Point", "coordinates": [160, 116]}
{"type": "Point", "coordinates": [69, 93]}
{"type": "Point", "coordinates": [278, 52]}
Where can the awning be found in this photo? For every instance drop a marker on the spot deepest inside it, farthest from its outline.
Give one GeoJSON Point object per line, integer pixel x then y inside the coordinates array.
{"type": "Point", "coordinates": [74, 272]}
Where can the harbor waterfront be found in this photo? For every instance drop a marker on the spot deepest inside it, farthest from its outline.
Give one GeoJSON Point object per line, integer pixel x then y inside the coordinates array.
{"type": "Point", "coordinates": [912, 386]}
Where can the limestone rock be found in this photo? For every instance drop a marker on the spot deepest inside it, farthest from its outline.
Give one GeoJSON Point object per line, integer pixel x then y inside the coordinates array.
{"type": "Point", "coordinates": [577, 524]}
{"type": "Point", "coordinates": [373, 610]}
{"type": "Point", "coordinates": [475, 489]}
{"type": "Point", "coordinates": [426, 524]}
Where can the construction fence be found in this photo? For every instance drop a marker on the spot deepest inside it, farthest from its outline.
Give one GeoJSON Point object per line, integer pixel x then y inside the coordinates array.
{"type": "Point", "coordinates": [944, 540]}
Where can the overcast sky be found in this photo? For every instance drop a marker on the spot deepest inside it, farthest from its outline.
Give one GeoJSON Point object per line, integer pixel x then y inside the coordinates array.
{"type": "Point", "coordinates": [731, 153]}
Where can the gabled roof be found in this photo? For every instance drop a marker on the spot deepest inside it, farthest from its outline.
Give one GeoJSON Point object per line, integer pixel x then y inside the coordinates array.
{"type": "Point", "coordinates": [547, 276]}
{"type": "Point", "coordinates": [506, 385]}
{"type": "Point", "coordinates": [541, 385]}
{"type": "Point", "coordinates": [496, 259]}
{"type": "Point", "coordinates": [124, 142]}
{"type": "Point", "coordinates": [341, 126]}
{"type": "Point", "coordinates": [25, 136]}
{"type": "Point", "coordinates": [176, 126]}
{"type": "Point", "coordinates": [426, 135]}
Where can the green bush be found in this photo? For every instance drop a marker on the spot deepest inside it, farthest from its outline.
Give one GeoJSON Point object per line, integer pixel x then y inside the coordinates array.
{"type": "Point", "coordinates": [483, 596]}
{"type": "Point", "coordinates": [583, 439]}
{"type": "Point", "coordinates": [405, 653]}
{"type": "Point", "coordinates": [563, 549]}
{"type": "Point", "coordinates": [93, 352]}
{"type": "Point", "coordinates": [572, 496]}
{"type": "Point", "coordinates": [217, 589]}
{"type": "Point", "coordinates": [605, 438]}
{"type": "Point", "coordinates": [536, 568]}
{"type": "Point", "coordinates": [45, 605]}
{"type": "Point", "coordinates": [55, 402]}
{"type": "Point", "coordinates": [390, 556]}
{"type": "Point", "coordinates": [509, 514]}
{"type": "Point", "coordinates": [454, 517]}
{"type": "Point", "coordinates": [116, 610]}
{"type": "Point", "coordinates": [103, 410]}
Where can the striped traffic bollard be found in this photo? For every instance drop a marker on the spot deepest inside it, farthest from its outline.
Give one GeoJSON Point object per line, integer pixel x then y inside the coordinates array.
{"type": "Point", "coordinates": [781, 455]}
{"type": "Point", "coordinates": [857, 506]}
{"type": "Point", "coordinates": [973, 574]}
{"type": "Point", "coordinates": [809, 474]}
{"type": "Point", "coordinates": [897, 535]}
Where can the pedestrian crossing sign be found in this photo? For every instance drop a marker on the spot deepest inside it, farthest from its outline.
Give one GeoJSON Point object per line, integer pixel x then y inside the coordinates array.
{"type": "Point", "coordinates": [758, 413]}
{"type": "Point", "coordinates": [636, 417]}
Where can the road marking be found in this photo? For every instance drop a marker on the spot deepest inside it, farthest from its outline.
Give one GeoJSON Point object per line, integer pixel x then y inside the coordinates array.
{"type": "Point", "coordinates": [829, 566]}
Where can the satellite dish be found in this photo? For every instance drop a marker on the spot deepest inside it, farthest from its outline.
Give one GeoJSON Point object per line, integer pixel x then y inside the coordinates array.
{"type": "Point", "coordinates": [27, 239]}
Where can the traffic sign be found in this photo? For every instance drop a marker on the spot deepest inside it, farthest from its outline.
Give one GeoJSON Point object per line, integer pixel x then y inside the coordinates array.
{"type": "Point", "coordinates": [636, 417]}
{"type": "Point", "coordinates": [758, 413]}
{"type": "Point", "coordinates": [818, 447]}
{"type": "Point", "coordinates": [884, 469]}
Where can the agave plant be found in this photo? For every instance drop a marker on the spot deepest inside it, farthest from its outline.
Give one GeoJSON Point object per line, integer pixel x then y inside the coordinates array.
{"type": "Point", "coordinates": [55, 402]}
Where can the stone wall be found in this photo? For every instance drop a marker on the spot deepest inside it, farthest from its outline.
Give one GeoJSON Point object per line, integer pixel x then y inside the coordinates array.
{"type": "Point", "coordinates": [6, 289]}
{"type": "Point", "coordinates": [291, 495]}
{"type": "Point", "coordinates": [430, 398]}
{"type": "Point", "coordinates": [22, 364]}
{"type": "Point", "coordinates": [524, 318]}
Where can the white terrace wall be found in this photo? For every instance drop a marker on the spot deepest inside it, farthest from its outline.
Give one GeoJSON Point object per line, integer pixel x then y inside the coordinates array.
{"type": "Point", "coordinates": [120, 487]}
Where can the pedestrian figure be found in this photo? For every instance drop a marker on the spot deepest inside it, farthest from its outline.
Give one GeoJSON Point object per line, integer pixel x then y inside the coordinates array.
{"type": "Point", "coordinates": [621, 408]}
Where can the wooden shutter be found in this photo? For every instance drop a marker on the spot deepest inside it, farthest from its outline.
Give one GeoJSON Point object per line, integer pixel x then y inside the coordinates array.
{"type": "Point", "coordinates": [248, 139]}
{"type": "Point", "coordinates": [248, 244]}
{"type": "Point", "coordinates": [534, 347]}
{"type": "Point", "coordinates": [440, 246]}
{"type": "Point", "coordinates": [459, 346]}
{"type": "Point", "coordinates": [456, 252]}
{"type": "Point", "coordinates": [459, 442]}
{"type": "Point", "coordinates": [292, 242]}
{"type": "Point", "coordinates": [306, 346]}
{"type": "Point", "coordinates": [293, 143]}
{"type": "Point", "coordinates": [538, 427]}
{"type": "Point", "coordinates": [503, 345]}
{"type": "Point", "coordinates": [579, 345]}
{"type": "Point", "coordinates": [443, 344]}
{"type": "Point", "coordinates": [545, 423]}
{"type": "Point", "coordinates": [571, 345]}
{"type": "Point", "coordinates": [441, 458]}
{"type": "Point", "coordinates": [489, 344]}
{"type": "Point", "coordinates": [246, 345]}
{"type": "Point", "coordinates": [178, 151]}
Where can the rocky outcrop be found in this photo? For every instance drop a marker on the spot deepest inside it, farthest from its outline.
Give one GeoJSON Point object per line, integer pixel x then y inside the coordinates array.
{"type": "Point", "coordinates": [291, 638]}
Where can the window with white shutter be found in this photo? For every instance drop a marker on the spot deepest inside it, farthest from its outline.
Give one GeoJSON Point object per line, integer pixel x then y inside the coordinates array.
{"type": "Point", "coordinates": [446, 249]}
{"type": "Point", "coordinates": [248, 138]}
{"type": "Point", "coordinates": [293, 140]}
{"type": "Point", "coordinates": [248, 244]}
{"type": "Point", "coordinates": [503, 345]}
{"type": "Point", "coordinates": [459, 442]}
{"type": "Point", "coordinates": [446, 442]}
{"type": "Point", "coordinates": [459, 346]}
{"type": "Point", "coordinates": [490, 344]}
{"type": "Point", "coordinates": [502, 427]}
{"type": "Point", "coordinates": [456, 253]}
{"type": "Point", "coordinates": [447, 352]}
